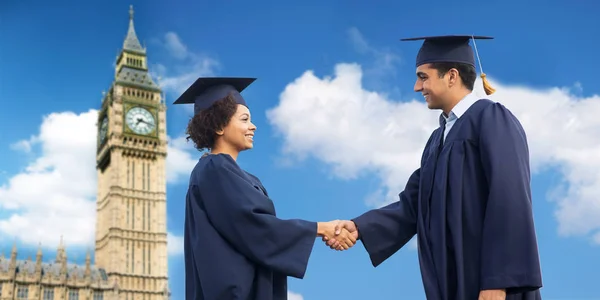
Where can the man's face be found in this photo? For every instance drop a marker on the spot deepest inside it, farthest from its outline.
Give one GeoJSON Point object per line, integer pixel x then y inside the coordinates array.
{"type": "Point", "coordinates": [433, 88]}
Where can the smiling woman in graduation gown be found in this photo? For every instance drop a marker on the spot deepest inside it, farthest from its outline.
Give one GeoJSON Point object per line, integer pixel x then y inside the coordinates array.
{"type": "Point", "coordinates": [235, 246]}
{"type": "Point", "coordinates": [470, 201]}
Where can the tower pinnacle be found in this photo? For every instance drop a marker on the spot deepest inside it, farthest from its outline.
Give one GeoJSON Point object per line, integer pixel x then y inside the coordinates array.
{"type": "Point", "coordinates": [131, 42]}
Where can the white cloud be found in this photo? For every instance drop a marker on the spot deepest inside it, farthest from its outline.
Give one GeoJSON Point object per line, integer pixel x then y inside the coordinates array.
{"type": "Point", "coordinates": [174, 244]}
{"type": "Point", "coordinates": [24, 145]}
{"type": "Point", "coordinates": [356, 131]}
{"type": "Point", "coordinates": [55, 194]}
{"type": "Point", "coordinates": [384, 60]}
{"type": "Point", "coordinates": [175, 46]}
{"type": "Point", "coordinates": [181, 159]}
{"type": "Point", "coordinates": [178, 77]}
{"type": "Point", "coordinates": [294, 296]}
{"type": "Point", "coordinates": [413, 243]}
{"type": "Point", "coordinates": [352, 129]}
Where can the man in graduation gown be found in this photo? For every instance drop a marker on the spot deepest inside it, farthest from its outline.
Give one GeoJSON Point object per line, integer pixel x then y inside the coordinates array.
{"type": "Point", "coordinates": [470, 201]}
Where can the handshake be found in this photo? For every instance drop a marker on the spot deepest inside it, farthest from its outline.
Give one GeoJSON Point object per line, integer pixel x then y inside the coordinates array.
{"type": "Point", "coordinates": [338, 235]}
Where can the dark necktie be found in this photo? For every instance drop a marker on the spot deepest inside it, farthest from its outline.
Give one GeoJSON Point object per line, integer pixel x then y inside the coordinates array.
{"type": "Point", "coordinates": [442, 129]}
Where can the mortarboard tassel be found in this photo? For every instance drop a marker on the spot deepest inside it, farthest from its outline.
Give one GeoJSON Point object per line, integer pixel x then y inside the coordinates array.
{"type": "Point", "coordinates": [486, 84]}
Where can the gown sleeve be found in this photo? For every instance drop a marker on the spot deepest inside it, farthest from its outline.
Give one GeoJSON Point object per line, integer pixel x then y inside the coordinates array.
{"type": "Point", "coordinates": [243, 215]}
{"type": "Point", "coordinates": [509, 252]}
{"type": "Point", "coordinates": [385, 230]}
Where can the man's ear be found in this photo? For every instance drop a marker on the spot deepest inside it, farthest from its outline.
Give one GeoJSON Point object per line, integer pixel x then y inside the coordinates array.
{"type": "Point", "coordinates": [453, 77]}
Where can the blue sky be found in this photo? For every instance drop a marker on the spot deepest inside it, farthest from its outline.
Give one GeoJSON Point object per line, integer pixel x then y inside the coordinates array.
{"type": "Point", "coordinates": [339, 127]}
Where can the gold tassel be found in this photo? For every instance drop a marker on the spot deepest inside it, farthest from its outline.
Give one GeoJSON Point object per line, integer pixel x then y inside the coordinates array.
{"type": "Point", "coordinates": [486, 85]}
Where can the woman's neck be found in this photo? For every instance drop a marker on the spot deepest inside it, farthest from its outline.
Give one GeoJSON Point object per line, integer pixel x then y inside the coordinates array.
{"type": "Point", "coordinates": [225, 150]}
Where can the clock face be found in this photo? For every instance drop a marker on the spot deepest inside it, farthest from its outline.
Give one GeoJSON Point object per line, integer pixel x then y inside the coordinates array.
{"type": "Point", "coordinates": [140, 120]}
{"type": "Point", "coordinates": [103, 129]}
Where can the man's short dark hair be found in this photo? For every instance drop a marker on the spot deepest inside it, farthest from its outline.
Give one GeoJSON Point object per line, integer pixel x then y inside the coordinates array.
{"type": "Point", "coordinates": [467, 72]}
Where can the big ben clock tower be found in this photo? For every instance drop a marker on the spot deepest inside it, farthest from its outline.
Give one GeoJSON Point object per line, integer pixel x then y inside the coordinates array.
{"type": "Point", "coordinates": [131, 232]}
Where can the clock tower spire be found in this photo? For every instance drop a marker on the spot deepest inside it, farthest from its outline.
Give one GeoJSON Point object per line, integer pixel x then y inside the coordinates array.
{"type": "Point", "coordinates": [131, 232]}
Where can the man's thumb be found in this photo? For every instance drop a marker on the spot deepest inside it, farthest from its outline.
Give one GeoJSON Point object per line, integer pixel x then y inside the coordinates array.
{"type": "Point", "coordinates": [338, 227]}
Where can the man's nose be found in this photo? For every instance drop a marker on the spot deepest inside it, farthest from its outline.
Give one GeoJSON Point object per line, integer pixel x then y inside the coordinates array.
{"type": "Point", "coordinates": [418, 86]}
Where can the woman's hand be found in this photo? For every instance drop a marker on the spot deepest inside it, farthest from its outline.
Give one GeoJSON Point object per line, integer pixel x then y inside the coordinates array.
{"type": "Point", "coordinates": [343, 241]}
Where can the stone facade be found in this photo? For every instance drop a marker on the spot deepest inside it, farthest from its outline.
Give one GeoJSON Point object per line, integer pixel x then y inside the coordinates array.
{"type": "Point", "coordinates": [34, 279]}
{"type": "Point", "coordinates": [131, 230]}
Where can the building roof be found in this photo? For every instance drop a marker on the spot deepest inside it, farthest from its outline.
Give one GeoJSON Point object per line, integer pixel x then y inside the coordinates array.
{"type": "Point", "coordinates": [131, 42]}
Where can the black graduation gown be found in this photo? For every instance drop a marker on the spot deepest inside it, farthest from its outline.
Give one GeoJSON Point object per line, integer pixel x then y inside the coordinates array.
{"type": "Point", "coordinates": [470, 205]}
{"type": "Point", "coordinates": [235, 247]}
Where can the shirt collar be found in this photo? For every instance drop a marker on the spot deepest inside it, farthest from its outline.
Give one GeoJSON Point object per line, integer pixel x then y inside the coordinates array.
{"type": "Point", "coordinates": [460, 108]}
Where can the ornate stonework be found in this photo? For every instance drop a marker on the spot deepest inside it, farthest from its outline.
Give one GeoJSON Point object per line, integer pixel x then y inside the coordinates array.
{"type": "Point", "coordinates": [131, 232]}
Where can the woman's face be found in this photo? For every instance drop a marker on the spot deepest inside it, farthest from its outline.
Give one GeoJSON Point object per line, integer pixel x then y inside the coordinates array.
{"type": "Point", "coordinates": [239, 133]}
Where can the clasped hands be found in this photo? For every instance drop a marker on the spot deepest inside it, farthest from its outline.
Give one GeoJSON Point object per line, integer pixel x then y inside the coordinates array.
{"type": "Point", "coordinates": [338, 235]}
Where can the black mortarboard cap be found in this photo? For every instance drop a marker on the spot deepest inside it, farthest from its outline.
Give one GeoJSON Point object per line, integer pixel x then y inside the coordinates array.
{"type": "Point", "coordinates": [447, 48]}
{"type": "Point", "coordinates": [207, 90]}
{"type": "Point", "coordinates": [450, 48]}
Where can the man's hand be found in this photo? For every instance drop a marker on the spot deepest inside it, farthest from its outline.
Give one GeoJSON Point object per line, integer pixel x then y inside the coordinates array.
{"type": "Point", "coordinates": [341, 228]}
{"type": "Point", "coordinates": [492, 295]}
{"type": "Point", "coordinates": [331, 230]}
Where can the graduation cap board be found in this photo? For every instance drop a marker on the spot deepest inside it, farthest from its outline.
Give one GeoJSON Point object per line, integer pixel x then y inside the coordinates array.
{"type": "Point", "coordinates": [451, 48]}
{"type": "Point", "coordinates": [207, 90]}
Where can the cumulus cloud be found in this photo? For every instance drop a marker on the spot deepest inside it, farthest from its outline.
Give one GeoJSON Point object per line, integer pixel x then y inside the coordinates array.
{"type": "Point", "coordinates": [383, 61]}
{"type": "Point", "coordinates": [189, 65]}
{"type": "Point", "coordinates": [175, 46]}
{"type": "Point", "coordinates": [352, 129]}
{"type": "Point", "coordinates": [294, 296]}
{"type": "Point", "coordinates": [359, 132]}
{"type": "Point", "coordinates": [174, 244]}
{"type": "Point", "coordinates": [181, 159]}
{"type": "Point", "coordinates": [55, 194]}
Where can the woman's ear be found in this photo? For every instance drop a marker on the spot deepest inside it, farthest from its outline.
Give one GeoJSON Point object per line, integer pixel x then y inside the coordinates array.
{"type": "Point", "coordinates": [220, 132]}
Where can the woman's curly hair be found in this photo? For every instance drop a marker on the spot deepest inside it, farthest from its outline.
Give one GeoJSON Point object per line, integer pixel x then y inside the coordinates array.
{"type": "Point", "coordinates": [202, 128]}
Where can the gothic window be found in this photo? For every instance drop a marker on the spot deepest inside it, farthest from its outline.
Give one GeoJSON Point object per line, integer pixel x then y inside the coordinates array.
{"type": "Point", "coordinates": [148, 176]}
{"type": "Point", "coordinates": [127, 211]}
{"type": "Point", "coordinates": [133, 214]}
{"type": "Point", "coordinates": [148, 215]}
{"type": "Point", "coordinates": [143, 215]}
{"type": "Point", "coordinates": [22, 292]}
{"type": "Point", "coordinates": [73, 295]}
{"type": "Point", "coordinates": [98, 295]}
{"type": "Point", "coordinates": [127, 256]}
{"type": "Point", "coordinates": [143, 259]}
{"type": "Point", "coordinates": [48, 293]}
{"type": "Point", "coordinates": [133, 258]}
